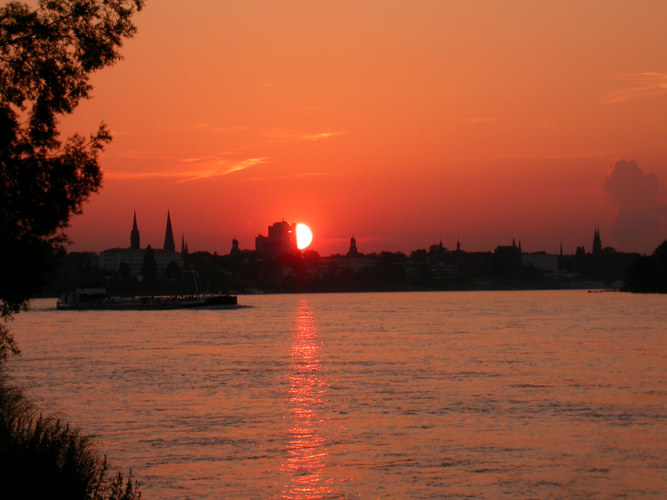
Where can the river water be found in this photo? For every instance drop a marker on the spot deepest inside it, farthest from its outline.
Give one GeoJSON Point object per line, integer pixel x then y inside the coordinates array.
{"type": "Point", "coordinates": [389, 395]}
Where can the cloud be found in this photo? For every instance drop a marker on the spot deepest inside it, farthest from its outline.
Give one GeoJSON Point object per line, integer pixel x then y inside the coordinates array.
{"type": "Point", "coordinates": [206, 170]}
{"type": "Point", "coordinates": [637, 86]}
{"type": "Point", "coordinates": [635, 195]}
{"type": "Point", "coordinates": [322, 135]}
{"type": "Point", "coordinates": [296, 135]}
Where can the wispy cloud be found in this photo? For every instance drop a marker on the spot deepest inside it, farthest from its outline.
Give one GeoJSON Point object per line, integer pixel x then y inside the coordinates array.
{"type": "Point", "coordinates": [206, 170]}
{"type": "Point", "coordinates": [637, 86]}
{"type": "Point", "coordinates": [321, 135]}
{"type": "Point", "coordinates": [296, 135]}
{"type": "Point", "coordinates": [217, 157]}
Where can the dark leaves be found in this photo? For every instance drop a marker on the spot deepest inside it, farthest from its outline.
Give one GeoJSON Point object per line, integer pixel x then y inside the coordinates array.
{"type": "Point", "coordinates": [47, 56]}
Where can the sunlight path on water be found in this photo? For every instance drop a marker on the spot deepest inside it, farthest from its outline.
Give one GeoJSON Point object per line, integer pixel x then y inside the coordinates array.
{"type": "Point", "coordinates": [307, 449]}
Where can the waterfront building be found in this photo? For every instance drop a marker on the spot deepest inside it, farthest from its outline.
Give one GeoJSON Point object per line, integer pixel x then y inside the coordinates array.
{"type": "Point", "coordinates": [169, 236]}
{"type": "Point", "coordinates": [597, 242]}
{"type": "Point", "coordinates": [353, 252]}
{"type": "Point", "coordinates": [114, 259]}
{"type": "Point", "coordinates": [134, 235]}
{"type": "Point", "coordinates": [281, 240]}
{"type": "Point", "coordinates": [543, 261]}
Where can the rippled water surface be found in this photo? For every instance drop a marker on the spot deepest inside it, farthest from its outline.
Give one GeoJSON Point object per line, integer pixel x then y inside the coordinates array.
{"type": "Point", "coordinates": [402, 395]}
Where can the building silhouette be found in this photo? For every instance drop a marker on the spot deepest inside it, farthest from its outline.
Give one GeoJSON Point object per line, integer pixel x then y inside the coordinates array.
{"type": "Point", "coordinates": [184, 247]}
{"type": "Point", "coordinates": [597, 243]}
{"type": "Point", "coordinates": [134, 235]}
{"type": "Point", "coordinates": [131, 259]}
{"type": "Point", "coordinates": [353, 252]}
{"type": "Point", "coordinates": [281, 240]}
{"type": "Point", "coordinates": [169, 236]}
{"type": "Point", "coordinates": [235, 247]}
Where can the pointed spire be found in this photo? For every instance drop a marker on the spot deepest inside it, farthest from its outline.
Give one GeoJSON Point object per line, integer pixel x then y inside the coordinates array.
{"type": "Point", "coordinates": [169, 236]}
{"type": "Point", "coordinates": [182, 244]}
{"type": "Point", "coordinates": [561, 248]}
{"type": "Point", "coordinates": [597, 243]}
{"type": "Point", "coordinates": [134, 235]}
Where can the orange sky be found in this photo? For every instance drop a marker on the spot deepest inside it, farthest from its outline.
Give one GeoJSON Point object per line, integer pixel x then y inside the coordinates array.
{"type": "Point", "coordinates": [395, 122]}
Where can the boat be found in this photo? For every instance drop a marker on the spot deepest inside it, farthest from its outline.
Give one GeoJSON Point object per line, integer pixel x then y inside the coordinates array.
{"type": "Point", "coordinates": [97, 299]}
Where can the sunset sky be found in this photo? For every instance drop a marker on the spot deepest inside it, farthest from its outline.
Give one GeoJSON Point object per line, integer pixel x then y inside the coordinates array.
{"type": "Point", "coordinates": [398, 123]}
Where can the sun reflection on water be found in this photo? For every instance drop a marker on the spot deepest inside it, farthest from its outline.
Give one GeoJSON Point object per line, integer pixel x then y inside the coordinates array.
{"type": "Point", "coordinates": [307, 452]}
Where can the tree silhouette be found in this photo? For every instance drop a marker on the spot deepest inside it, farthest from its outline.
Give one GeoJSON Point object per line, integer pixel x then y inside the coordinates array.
{"type": "Point", "coordinates": [47, 55]}
{"type": "Point", "coordinates": [649, 273]}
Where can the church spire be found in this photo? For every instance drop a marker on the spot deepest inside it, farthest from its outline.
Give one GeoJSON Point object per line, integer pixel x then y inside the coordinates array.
{"type": "Point", "coordinates": [184, 246]}
{"type": "Point", "coordinates": [134, 235]}
{"type": "Point", "coordinates": [597, 243]}
{"type": "Point", "coordinates": [169, 236]}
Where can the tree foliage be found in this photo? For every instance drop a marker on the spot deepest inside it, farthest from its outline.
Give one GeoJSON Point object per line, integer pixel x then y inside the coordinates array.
{"type": "Point", "coordinates": [649, 273]}
{"type": "Point", "coordinates": [47, 56]}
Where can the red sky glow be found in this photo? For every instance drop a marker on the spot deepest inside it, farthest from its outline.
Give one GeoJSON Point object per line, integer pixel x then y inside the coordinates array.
{"type": "Point", "coordinates": [398, 123]}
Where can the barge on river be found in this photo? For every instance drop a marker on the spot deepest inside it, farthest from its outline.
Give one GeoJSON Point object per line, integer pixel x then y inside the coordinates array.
{"type": "Point", "coordinates": [93, 299]}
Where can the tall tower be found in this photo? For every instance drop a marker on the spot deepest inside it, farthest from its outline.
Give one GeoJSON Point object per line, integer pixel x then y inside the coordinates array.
{"type": "Point", "coordinates": [134, 235]}
{"type": "Point", "coordinates": [169, 236]}
{"type": "Point", "coordinates": [184, 246]}
{"type": "Point", "coordinates": [353, 252]}
{"type": "Point", "coordinates": [235, 247]}
{"type": "Point", "coordinates": [597, 243]}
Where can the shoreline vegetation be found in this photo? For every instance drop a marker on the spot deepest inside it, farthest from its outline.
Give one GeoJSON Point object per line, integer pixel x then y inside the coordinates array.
{"type": "Point", "coordinates": [42, 456]}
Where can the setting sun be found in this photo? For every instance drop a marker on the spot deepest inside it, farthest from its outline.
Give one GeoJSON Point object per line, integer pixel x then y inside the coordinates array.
{"type": "Point", "coordinates": [304, 236]}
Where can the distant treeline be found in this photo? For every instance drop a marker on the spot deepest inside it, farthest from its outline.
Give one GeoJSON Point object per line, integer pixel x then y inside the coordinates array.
{"type": "Point", "coordinates": [649, 273]}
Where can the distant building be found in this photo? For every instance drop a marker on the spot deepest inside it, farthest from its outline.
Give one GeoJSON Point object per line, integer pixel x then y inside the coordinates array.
{"type": "Point", "coordinates": [281, 240]}
{"type": "Point", "coordinates": [541, 260]}
{"type": "Point", "coordinates": [235, 247]}
{"type": "Point", "coordinates": [597, 243]}
{"type": "Point", "coordinates": [508, 251]}
{"type": "Point", "coordinates": [134, 235]}
{"type": "Point", "coordinates": [184, 247]}
{"type": "Point", "coordinates": [169, 236]}
{"type": "Point", "coordinates": [133, 256]}
{"type": "Point", "coordinates": [353, 252]}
